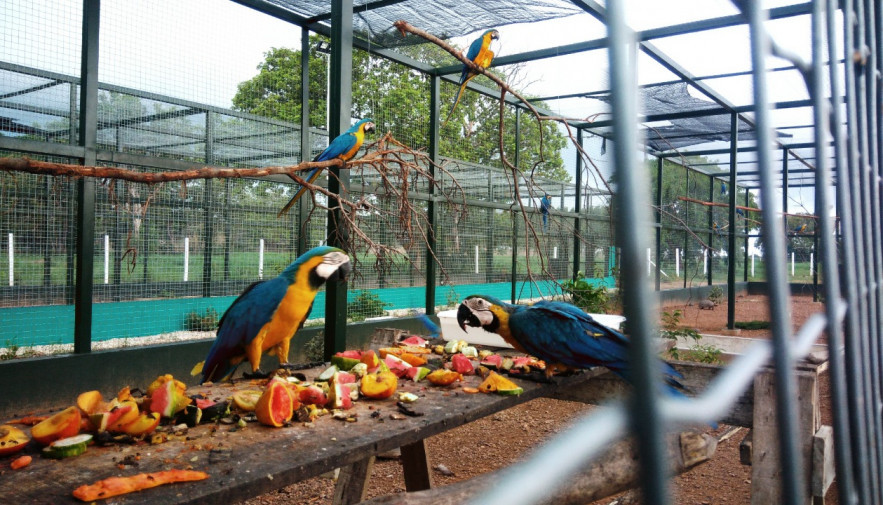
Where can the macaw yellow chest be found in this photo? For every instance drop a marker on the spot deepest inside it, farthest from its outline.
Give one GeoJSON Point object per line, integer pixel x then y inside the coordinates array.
{"type": "Point", "coordinates": [360, 137]}
{"type": "Point", "coordinates": [292, 311]}
{"type": "Point", "coordinates": [484, 58]}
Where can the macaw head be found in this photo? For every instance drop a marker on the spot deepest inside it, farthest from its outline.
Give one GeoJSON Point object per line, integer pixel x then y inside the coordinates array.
{"type": "Point", "coordinates": [491, 35]}
{"type": "Point", "coordinates": [319, 264]}
{"type": "Point", "coordinates": [482, 311]}
{"type": "Point", "coordinates": [367, 125]}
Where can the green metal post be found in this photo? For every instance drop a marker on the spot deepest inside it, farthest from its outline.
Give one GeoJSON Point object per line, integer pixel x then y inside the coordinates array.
{"type": "Point", "coordinates": [305, 141]}
{"type": "Point", "coordinates": [86, 186]}
{"type": "Point", "coordinates": [208, 206]}
{"type": "Point", "coordinates": [710, 250]}
{"type": "Point", "coordinates": [577, 208]}
{"type": "Point", "coordinates": [341, 86]}
{"type": "Point", "coordinates": [731, 243]}
{"type": "Point", "coordinates": [658, 269]}
{"type": "Point", "coordinates": [746, 229]}
{"type": "Point", "coordinates": [517, 160]}
{"type": "Point", "coordinates": [686, 220]}
{"type": "Point", "coordinates": [431, 273]}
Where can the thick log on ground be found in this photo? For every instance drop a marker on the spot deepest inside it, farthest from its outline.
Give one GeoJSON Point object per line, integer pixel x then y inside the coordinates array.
{"type": "Point", "coordinates": [614, 472]}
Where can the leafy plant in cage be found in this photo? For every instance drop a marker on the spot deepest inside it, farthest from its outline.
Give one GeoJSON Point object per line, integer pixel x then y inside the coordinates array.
{"type": "Point", "coordinates": [586, 295]}
{"type": "Point", "coordinates": [366, 304]}
{"type": "Point", "coordinates": [716, 295]}
{"type": "Point", "coordinates": [207, 321]}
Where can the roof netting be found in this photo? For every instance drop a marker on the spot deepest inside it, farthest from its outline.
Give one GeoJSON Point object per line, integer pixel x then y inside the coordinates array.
{"type": "Point", "coordinates": [674, 98]}
{"type": "Point", "coordinates": [450, 18]}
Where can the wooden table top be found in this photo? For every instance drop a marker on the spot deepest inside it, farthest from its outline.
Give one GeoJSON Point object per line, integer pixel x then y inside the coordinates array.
{"type": "Point", "coordinates": [258, 459]}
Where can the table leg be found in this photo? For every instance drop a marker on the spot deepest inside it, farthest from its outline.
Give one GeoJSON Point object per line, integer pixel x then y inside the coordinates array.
{"type": "Point", "coordinates": [415, 463]}
{"type": "Point", "coordinates": [352, 482]}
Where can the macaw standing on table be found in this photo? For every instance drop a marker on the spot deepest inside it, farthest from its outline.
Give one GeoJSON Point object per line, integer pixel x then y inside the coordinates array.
{"type": "Point", "coordinates": [479, 53]}
{"type": "Point", "coordinates": [268, 313]}
{"type": "Point", "coordinates": [344, 146]}
{"type": "Point", "coordinates": [559, 333]}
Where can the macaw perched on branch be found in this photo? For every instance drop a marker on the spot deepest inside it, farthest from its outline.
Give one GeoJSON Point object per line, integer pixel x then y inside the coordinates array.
{"type": "Point", "coordinates": [799, 229]}
{"type": "Point", "coordinates": [344, 146]}
{"type": "Point", "coordinates": [559, 333]}
{"type": "Point", "coordinates": [479, 53]}
{"type": "Point", "coordinates": [268, 313]}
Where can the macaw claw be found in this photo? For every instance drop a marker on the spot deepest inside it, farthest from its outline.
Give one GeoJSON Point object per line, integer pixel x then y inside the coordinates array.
{"type": "Point", "coordinates": [257, 374]}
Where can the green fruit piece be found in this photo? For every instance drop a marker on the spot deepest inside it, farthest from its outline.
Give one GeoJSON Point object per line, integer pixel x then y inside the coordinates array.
{"type": "Point", "coordinates": [67, 447]}
{"type": "Point", "coordinates": [327, 374]}
{"type": "Point", "coordinates": [510, 392]}
{"type": "Point", "coordinates": [344, 363]}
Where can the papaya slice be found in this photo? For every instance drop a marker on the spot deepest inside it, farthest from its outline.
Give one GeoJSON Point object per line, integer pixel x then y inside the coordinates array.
{"type": "Point", "coordinates": [496, 383]}
{"type": "Point", "coordinates": [443, 377]}
{"type": "Point", "coordinates": [12, 439]}
{"type": "Point", "coordinates": [276, 405]}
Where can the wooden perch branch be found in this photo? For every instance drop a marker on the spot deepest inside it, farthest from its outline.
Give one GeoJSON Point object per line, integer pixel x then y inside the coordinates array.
{"type": "Point", "coordinates": [30, 166]}
{"type": "Point", "coordinates": [614, 472]}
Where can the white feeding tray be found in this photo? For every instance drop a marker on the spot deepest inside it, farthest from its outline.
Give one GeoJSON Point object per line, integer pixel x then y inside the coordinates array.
{"type": "Point", "coordinates": [451, 330]}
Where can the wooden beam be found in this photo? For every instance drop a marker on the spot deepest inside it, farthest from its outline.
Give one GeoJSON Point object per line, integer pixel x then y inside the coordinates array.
{"type": "Point", "coordinates": [614, 472]}
{"type": "Point", "coordinates": [352, 482]}
{"type": "Point", "coordinates": [766, 464]}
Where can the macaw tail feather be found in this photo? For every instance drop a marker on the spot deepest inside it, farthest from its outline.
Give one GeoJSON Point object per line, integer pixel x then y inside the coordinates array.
{"type": "Point", "coordinates": [300, 192]}
{"type": "Point", "coordinates": [433, 328]}
{"type": "Point", "coordinates": [456, 101]}
{"type": "Point", "coordinates": [197, 369]}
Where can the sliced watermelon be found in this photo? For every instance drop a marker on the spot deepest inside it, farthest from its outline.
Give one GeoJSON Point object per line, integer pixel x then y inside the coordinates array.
{"type": "Point", "coordinates": [417, 373]}
{"type": "Point", "coordinates": [461, 364]}
{"type": "Point", "coordinates": [414, 340]}
{"type": "Point", "coordinates": [396, 365]}
{"type": "Point", "coordinates": [494, 361]}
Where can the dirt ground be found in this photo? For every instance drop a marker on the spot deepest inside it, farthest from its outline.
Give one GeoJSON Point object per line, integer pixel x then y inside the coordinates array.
{"type": "Point", "coordinates": [505, 438]}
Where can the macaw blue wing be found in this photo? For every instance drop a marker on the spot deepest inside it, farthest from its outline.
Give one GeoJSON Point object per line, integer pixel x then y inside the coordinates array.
{"type": "Point", "coordinates": [568, 335]}
{"type": "Point", "coordinates": [341, 145]}
{"type": "Point", "coordinates": [563, 333]}
{"type": "Point", "coordinates": [240, 323]}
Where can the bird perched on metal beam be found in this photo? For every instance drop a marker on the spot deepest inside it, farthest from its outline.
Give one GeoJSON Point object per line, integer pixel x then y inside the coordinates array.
{"type": "Point", "coordinates": [561, 334]}
{"type": "Point", "coordinates": [268, 314]}
{"type": "Point", "coordinates": [344, 146]}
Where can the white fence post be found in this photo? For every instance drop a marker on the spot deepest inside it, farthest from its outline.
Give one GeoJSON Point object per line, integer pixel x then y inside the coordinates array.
{"type": "Point", "coordinates": [677, 262]}
{"type": "Point", "coordinates": [752, 264]}
{"type": "Point", "coordinates": [811, 263]}
{"type": "Point", "coordinates": [705, 261]}
{"type": "Point", "coordinates": [186, 258]}
{"type": "Point", "coordinates": [792, 264]}
{"type": "Point", "coordinates": [649, 264]}
{"type": "Point", "coordinates": [261, 259]}
{"type": "Point", "coordinates": [106, 259]}
{"type": "Point", "coordinates": [11, 261]}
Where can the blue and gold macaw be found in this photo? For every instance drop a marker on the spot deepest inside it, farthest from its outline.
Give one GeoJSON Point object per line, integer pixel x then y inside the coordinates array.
{"type": "Point", "coordinates": [479, 53]}
{"type": "Point", "coordinates": [268, 313]}
{"type": "Point", "coordinates": [559, 333]}
{"type": "Point", "coordinates": [344, 146]}
{"type": "Point", "coordinates": [800, 228]}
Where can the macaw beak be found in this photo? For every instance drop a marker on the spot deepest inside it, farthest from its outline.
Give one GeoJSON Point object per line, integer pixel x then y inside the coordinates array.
{"type": "Point", "coordinates": [369, 127]}
{"type": "Point", "coordinates": [466, 317]}
{"type": "Point", "coordinates": [341, 272]}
